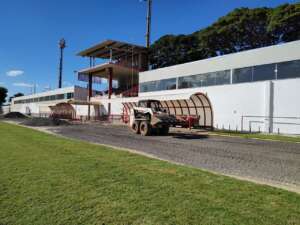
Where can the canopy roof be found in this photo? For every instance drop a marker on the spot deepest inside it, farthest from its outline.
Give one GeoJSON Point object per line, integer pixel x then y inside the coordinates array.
{"type": "Point", "coordinates": [102, 71]}
{"type": "Point", "coordinates": [197, 104]}
{"type": "Point", "coordinates": [119, 49]}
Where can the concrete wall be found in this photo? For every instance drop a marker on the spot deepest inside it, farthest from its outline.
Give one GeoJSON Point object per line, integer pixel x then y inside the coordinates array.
{"type": "Point", "coordinates": [42, 108]}
{"type": "Point", "coordinates": [46, 93]}
{"type": "Point", "coordinates": [35, 107]}
{"type": "Point", "coordinates": [266, 106]}
{"type": "Point", "coordinates": [5, 109]}
{"type": "Point", "coordinates": [260, 56]}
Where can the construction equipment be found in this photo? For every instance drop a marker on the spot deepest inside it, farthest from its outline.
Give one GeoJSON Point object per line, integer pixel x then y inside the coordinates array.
{"type": "Point", "coordinates": [149, 118]}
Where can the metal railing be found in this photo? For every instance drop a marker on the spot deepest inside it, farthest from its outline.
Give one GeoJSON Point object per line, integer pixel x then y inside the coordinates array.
{"type": "Point", "coordinates": [243, 117]}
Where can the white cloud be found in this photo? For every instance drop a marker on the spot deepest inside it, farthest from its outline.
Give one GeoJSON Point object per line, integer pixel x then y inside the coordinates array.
{"type": "Point", "coordinates": [14, 73]}
{"type": "Point", "coordinates": [21, 84]}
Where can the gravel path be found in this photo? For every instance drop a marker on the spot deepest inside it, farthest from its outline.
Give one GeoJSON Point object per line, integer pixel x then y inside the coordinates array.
{"type": "Point", "coordinates": [269, 162]}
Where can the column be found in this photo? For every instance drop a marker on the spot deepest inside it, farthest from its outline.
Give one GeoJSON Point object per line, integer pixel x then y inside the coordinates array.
{"type": "Point", "coordinates": [110, 78]}
{"type": "Point", "coordinates": [90, 94]}
{"type": "Point", "coordinates": [269, 106]}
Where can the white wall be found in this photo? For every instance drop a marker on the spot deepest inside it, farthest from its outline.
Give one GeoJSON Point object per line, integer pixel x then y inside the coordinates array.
{"type": "Point", "coordinates": [287, 104]}
{"type": "Point", "coordinates": [273, 54]}
{"type": "Point", "coordinates": [231, 103]}
{"type": "Point", "coordinates": [35, 107]}
{"type": "Point", "coordinates": [46, 93]}
{"type": "Point", "coordinates": [5, 109]}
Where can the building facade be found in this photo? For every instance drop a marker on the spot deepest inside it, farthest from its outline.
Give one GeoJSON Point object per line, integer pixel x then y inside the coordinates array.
{"type": "Point", "coordinates": [255, 90]}
{"type": "Point", "coordinates": [42, 104]}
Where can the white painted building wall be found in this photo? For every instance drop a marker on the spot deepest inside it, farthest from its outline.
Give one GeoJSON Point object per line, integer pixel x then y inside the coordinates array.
{"type": "Point", "coordinates": [42, 108]}
{"type": "Point", "coordinates": [235, 106]}
{"type": "Point", "coordinates": [5, 109]}
{"type": "Point", "coordinates": [39, 107]}
{"type": "Point", "coordinates": [273, 54]}
{"type": "Point", "coordinates": [239, 106]}
{"type": "Point", "coordinates": [267, 106]}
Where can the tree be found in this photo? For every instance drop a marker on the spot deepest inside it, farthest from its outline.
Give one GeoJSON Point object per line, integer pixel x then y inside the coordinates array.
{"type": "Point", "coordinates": [3, 95]}
{"type": "Point", "coordinates": [285, 22]}
{"type": "Point", "coordinates": [19, 94]}
{"type": "Point", "coordinates": [239, 30]}
{"type": "Point", "coordinates": [171, 49]}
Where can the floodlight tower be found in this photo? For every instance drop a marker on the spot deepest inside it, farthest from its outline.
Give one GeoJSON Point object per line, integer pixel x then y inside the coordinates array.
{"type": "Point", "coordinates": [148, 33]}
{"type": "Point", "coordinates": [62, 45]}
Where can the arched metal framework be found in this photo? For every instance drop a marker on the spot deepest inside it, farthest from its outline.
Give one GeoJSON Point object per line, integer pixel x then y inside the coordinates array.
{"type": "Point", "coordinates": [197, 105]}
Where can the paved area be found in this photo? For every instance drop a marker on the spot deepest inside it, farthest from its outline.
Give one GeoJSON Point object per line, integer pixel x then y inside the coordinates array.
{"type": "Point", "coordinates": [262, 161]}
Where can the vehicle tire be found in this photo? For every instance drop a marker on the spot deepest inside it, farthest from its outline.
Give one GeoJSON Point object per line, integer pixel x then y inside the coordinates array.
{"type": "Point", "coordinates": [135, 127]}
{"type": "Point", "coordinates": [164, 130]}
{"type": "Point", "coordinates": [145, 128]}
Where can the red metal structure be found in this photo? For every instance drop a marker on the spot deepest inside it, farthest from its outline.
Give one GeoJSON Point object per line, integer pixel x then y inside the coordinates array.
{"type": "Point", "coordinates": [125, 62]}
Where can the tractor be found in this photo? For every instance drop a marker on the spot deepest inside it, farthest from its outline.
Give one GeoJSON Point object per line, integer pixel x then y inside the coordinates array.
{"type": "Point", "coordinates": [149, 118]}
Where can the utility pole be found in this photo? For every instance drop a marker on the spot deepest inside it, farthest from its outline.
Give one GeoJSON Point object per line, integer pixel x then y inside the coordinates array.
{"type": "Point", "coordinates": [62, 45]}
{"type": "Point", "coordinates": [148, 34]}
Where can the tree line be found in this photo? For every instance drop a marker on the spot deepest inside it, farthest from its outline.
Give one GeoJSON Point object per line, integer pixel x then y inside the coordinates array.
{"type": "Point", "coordinates": [241, 29]}
{"type": "Point", "coordinates": [3, 96]}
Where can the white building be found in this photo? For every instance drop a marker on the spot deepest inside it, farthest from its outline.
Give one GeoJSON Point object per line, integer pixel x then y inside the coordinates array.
{"type": "Point", "coordinates": [255, 90]}
{"type": "Point", "coordinates": [42, 104]}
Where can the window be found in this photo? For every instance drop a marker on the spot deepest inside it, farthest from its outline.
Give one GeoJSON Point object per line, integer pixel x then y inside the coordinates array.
{"type": "Point", "coordinates": [223, 77]}
{"type": "Point", "coordinates": [167, 84]}
{"type": "Point", "coordinates": [148, 86]}
{"type": "Point", "coordinates": [289, 69]}
{"type": "Point", "coordinates": [210, 79]}
{"type": "Point", "coordinates": [70, 95]}
{"type": "Point", "coordinates": [264, 72]}
{"type": "Point", "coordinates": [202, 80]}
{"type": "Point", "coordinates": [187, 82]}
{"type": "Point", "coordinates": [242, 75]}
{"type": "Point", "coordinates": [159, 85]}
{"type": "Point", "coordinates": [59, 97]}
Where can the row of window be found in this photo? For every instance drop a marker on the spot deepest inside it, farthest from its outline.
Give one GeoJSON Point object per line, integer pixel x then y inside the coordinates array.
{"type": "Point", "coordinates": [46, 98]}
{"type": "Point", "coordinates": [283, 70]}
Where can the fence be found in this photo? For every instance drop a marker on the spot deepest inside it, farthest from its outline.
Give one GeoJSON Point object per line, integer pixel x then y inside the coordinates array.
{"type": "Point", "coordinates": [270, 121]}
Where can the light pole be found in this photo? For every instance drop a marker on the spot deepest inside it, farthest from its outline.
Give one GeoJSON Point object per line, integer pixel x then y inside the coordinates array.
{"type": "Point", "coordinates": [62, 45]}
{"type": "Point", "coordinates": [148, 33]}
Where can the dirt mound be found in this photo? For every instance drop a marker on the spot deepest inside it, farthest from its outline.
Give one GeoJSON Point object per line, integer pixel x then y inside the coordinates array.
{"type": "Point", "coordinates": [41, 122]}
{"type": "Point", "coordinates": [15, 115]}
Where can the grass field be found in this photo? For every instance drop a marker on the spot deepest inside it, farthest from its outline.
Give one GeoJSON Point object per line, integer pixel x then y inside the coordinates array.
{"type": "Point", "coordinates": [49, 180]}
{"type": "Point", "coordinates": [273, 137]}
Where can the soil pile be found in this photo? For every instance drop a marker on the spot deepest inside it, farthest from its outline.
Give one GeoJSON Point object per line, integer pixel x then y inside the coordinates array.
{"type": "Point", "coordinates": [41, 122]}
{"type": "Point", "coordinates": [15, 115]}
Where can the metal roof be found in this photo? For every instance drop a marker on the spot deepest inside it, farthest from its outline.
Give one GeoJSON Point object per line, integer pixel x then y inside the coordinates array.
{"type": "Point", "coordinates": [101, 70]}
{"type": "Point", "coordinates": [119, 49]}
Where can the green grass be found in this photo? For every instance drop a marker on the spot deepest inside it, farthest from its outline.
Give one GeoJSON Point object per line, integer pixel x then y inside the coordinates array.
{"type": "Point", "coordinates": [49, 180]}
{"type": "Point", "coordinates": [274, 137]}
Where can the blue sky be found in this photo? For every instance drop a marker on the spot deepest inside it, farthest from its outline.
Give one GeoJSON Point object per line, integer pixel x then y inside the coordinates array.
{"type": "Point", "coordinates": [31, 29]}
